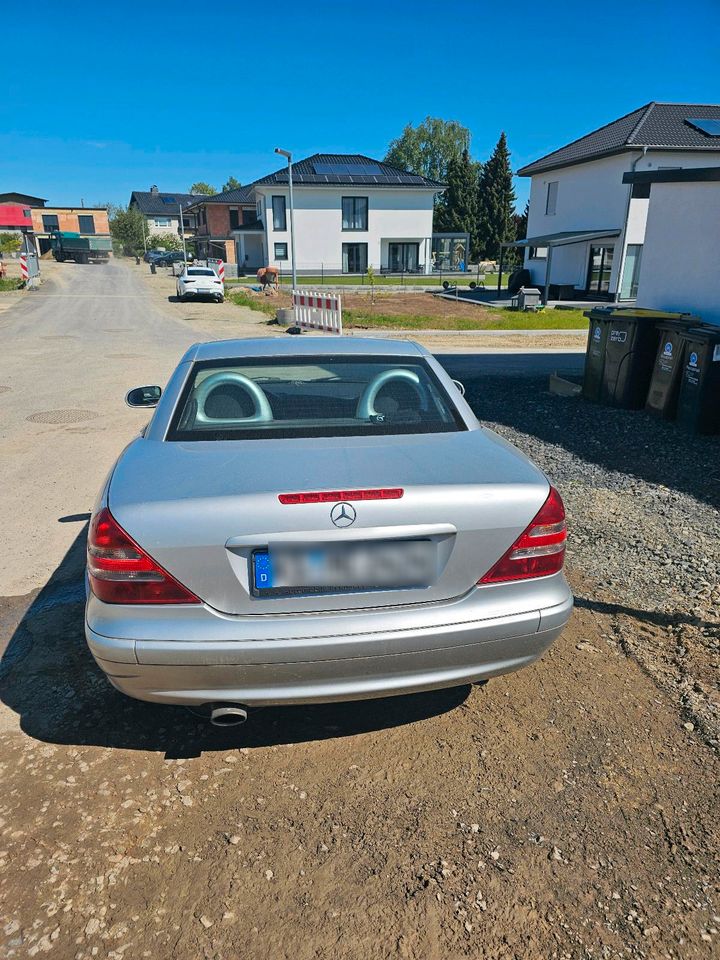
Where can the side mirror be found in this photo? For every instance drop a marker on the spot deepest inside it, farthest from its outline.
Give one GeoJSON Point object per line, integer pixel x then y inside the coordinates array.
{"type": "Point", "coordinates": [460, 386]}
{"type": "Point", "coordinates": [143, 397]}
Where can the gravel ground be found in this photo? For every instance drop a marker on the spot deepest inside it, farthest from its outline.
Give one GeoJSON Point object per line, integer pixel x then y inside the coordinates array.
{"type": "Point", "coordinates": [642, 501]}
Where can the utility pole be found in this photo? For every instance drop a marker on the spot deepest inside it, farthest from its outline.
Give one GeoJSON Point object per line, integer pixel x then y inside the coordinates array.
{"type": "Point", "coordinates": [285, 153]}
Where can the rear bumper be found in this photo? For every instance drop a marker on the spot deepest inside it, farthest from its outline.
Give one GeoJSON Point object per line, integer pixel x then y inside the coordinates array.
{"type": "Point", "coordinates": [323, 668]}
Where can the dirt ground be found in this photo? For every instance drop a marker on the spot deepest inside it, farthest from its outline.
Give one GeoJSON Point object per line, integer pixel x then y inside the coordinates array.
{"type": "Point", "coordinates": [559, 812]}
{"type": "Point", "coordinates": [230, 320]}
{"type": "Point", "coordinates": [411, 304]}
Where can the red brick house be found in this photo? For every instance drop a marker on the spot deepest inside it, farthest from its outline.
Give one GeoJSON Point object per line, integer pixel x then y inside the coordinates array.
{"type": "Point", "coordinates": [228, 228]}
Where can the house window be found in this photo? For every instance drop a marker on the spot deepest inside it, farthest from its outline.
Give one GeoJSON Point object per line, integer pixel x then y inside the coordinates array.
{"type": "Point", "coordinates": [403, 257]}
{"type": "Point", "coordinates": [354, 257]}
{"type": "Point", "coordinates": [281, 251]}
{"type": "Point", "coordinates": [163, 222]}
{"type": "Point", "coordinates": [631, 272]}
{"type": "Point", "coordinates": [50, 222]}
{"type": "Point", "coordinates": [279, 217]}
{"type": "Point", "coordinates": [354, 213]}
{"type": "Point", "coordinates": [86, 224]}
{"type": "Point", "coordinates": [234, 218]}
{"type": "Point", "coordinates": [538, 253]}
{"type": "Point", "coordinates": [551, 199]}
{"type": "Point", "coordinates": [186, 222]}
{"type": "Point", "coordinates": [249, 216]}
{"type": "Point", "coordinates": [600, 269]}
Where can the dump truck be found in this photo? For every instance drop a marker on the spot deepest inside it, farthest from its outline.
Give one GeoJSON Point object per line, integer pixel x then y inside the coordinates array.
{"type": "Point", "coordinates": [72, 246]}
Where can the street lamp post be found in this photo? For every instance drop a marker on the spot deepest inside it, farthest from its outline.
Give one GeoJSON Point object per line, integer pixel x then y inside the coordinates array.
{"type": "Point", "coordinates": [285, 153]}
{"type": "Point", "coordinates": [182, 232]}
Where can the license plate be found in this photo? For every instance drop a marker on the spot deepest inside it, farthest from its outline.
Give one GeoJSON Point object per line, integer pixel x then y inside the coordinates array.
{"type": "Point", "coordinates": [333, 568]}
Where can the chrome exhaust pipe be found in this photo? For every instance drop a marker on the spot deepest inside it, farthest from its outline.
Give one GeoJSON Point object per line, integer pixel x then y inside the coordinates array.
{"type": "Point", "coordinates": [228, 715]}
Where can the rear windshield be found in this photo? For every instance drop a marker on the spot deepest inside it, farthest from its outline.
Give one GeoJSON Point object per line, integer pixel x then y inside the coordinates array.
{"type": "Point", "coordinates": [197, 272]}
{"type": "Point", "coordinates": [322, 396]}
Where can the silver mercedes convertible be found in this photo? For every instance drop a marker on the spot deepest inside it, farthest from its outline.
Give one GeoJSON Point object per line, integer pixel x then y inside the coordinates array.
{"type": "Point", "coordinates": [318, 519]}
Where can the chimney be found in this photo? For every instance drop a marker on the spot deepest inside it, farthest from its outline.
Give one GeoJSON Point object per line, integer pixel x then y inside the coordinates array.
{"type": "Point", "coordinates": [154, 189]}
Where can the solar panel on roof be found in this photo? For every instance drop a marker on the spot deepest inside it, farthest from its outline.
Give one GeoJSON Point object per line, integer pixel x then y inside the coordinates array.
{"type": "Point", "coordinates": [169, 200]}
{"type": "Point", "coordinates": [710, 127]}
{"type": "Point", "coordinates": [359, 169]}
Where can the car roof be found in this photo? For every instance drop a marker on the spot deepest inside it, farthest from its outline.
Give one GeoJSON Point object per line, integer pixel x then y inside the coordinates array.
{"type": "Point", "coordinates": [303, 347]}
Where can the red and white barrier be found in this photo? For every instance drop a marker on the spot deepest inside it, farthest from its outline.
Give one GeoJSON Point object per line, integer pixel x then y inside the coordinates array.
{"type": "Point", "coordinates": [318, 311]}
{"type": "Point", "coordinates": [24, 272]}
{"type": "Point", "coordinates": [219, 267]}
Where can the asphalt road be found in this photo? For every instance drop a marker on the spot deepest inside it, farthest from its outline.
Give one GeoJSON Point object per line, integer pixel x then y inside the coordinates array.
{"type": "Point", "coordinates": [68, 354]}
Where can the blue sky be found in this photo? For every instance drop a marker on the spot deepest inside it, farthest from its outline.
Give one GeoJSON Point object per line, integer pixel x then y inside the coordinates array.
{"type": "Point", "coordinates": [180, 91]}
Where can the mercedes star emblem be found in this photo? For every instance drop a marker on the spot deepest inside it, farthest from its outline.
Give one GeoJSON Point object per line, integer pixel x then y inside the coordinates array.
{"type": "Point", "coordinates": [343, 514]}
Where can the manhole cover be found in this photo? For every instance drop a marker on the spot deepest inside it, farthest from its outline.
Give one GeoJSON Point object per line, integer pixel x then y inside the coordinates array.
{"type": "Point", "coordinates": [63, 336]}
{"type": "Point", "coordinates": [61, 416]}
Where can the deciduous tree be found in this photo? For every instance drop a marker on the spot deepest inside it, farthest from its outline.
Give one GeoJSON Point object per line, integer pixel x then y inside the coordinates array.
{"type": "Point", "coordinates": [429, 148]}
{"type": "Point", "coordinates": [127, 228]}
{"type": "Point", "coordinates": [231, 184]}
{"type": "Point", "coordinates": [10, 242]}
{"type": "Point", "coordinates": [203, 188]}
{"type": "Point", "coordinates": [164, 241]}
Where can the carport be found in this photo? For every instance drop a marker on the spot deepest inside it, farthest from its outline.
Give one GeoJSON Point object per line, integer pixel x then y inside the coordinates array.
{"type": "Point", "coordinates": [550, 241]}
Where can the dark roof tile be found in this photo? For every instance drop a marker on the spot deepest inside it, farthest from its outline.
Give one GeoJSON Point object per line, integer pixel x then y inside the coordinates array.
{"type": "Point", "coordinates": [152, 203]}
{"type": "Point", "coordinates": [663, 125]}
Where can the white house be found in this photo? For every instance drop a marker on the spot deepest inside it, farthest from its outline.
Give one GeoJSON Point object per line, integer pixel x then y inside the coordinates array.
{"type": "Point", "coordinates": [586, 223]}
{"type": "Point", "coordinates": [350, 212]}
{"type": "Point", "coordinates": [682, 237]}
{"type": "Point", "coordinates": [162, 210]}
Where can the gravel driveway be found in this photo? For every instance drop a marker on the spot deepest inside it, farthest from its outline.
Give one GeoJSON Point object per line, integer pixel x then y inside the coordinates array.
{"type": "Point", "coordinates": [642, 500]}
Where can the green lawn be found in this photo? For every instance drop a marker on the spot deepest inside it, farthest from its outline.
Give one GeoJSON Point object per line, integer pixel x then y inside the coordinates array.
{"type": "Point", "coordinates": [485, 320]}
{"type": "Point", "coordinates": [247, 300]}
{"type": "Point", "coordinates": [11, 283]}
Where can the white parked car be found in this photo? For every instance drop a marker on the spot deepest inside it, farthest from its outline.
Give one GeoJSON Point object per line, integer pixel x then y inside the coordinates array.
{"type": "Point", "coordinates": [200, 282]}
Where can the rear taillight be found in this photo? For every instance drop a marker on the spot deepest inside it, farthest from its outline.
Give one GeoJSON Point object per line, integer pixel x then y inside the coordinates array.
{"type": "Point", "coordinates": [121, 572]}
{"type": "Point", "coordinates": [537, 552]}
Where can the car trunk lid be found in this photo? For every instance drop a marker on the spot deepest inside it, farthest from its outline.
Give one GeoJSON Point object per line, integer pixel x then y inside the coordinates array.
{"type": "Point", "coordinates": [204, 510]}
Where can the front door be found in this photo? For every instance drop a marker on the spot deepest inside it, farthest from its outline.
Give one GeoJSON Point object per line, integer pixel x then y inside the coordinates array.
{"type": "Point", "coordinates": [599, 269]}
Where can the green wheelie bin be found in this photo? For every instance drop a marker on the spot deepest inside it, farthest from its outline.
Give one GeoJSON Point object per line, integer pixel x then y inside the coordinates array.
{"type": "Point", "coordinates": [698, 407]}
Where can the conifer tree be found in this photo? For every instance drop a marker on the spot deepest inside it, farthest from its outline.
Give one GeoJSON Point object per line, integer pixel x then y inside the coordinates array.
{"type": "Point", "coordinates": [496, 202]}
{"type": "Point", "coordinates": [458, 208]}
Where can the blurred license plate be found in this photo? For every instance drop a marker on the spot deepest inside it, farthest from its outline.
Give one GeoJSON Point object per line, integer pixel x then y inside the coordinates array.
{"type": "Point", "coordinates": [333, 567]}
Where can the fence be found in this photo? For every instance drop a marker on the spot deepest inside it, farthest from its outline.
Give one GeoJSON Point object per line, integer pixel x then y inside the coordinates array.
{"type": "Point", "coordinates": [318, 311]}
{"type": "Point", "coordinates": [331, 274]}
